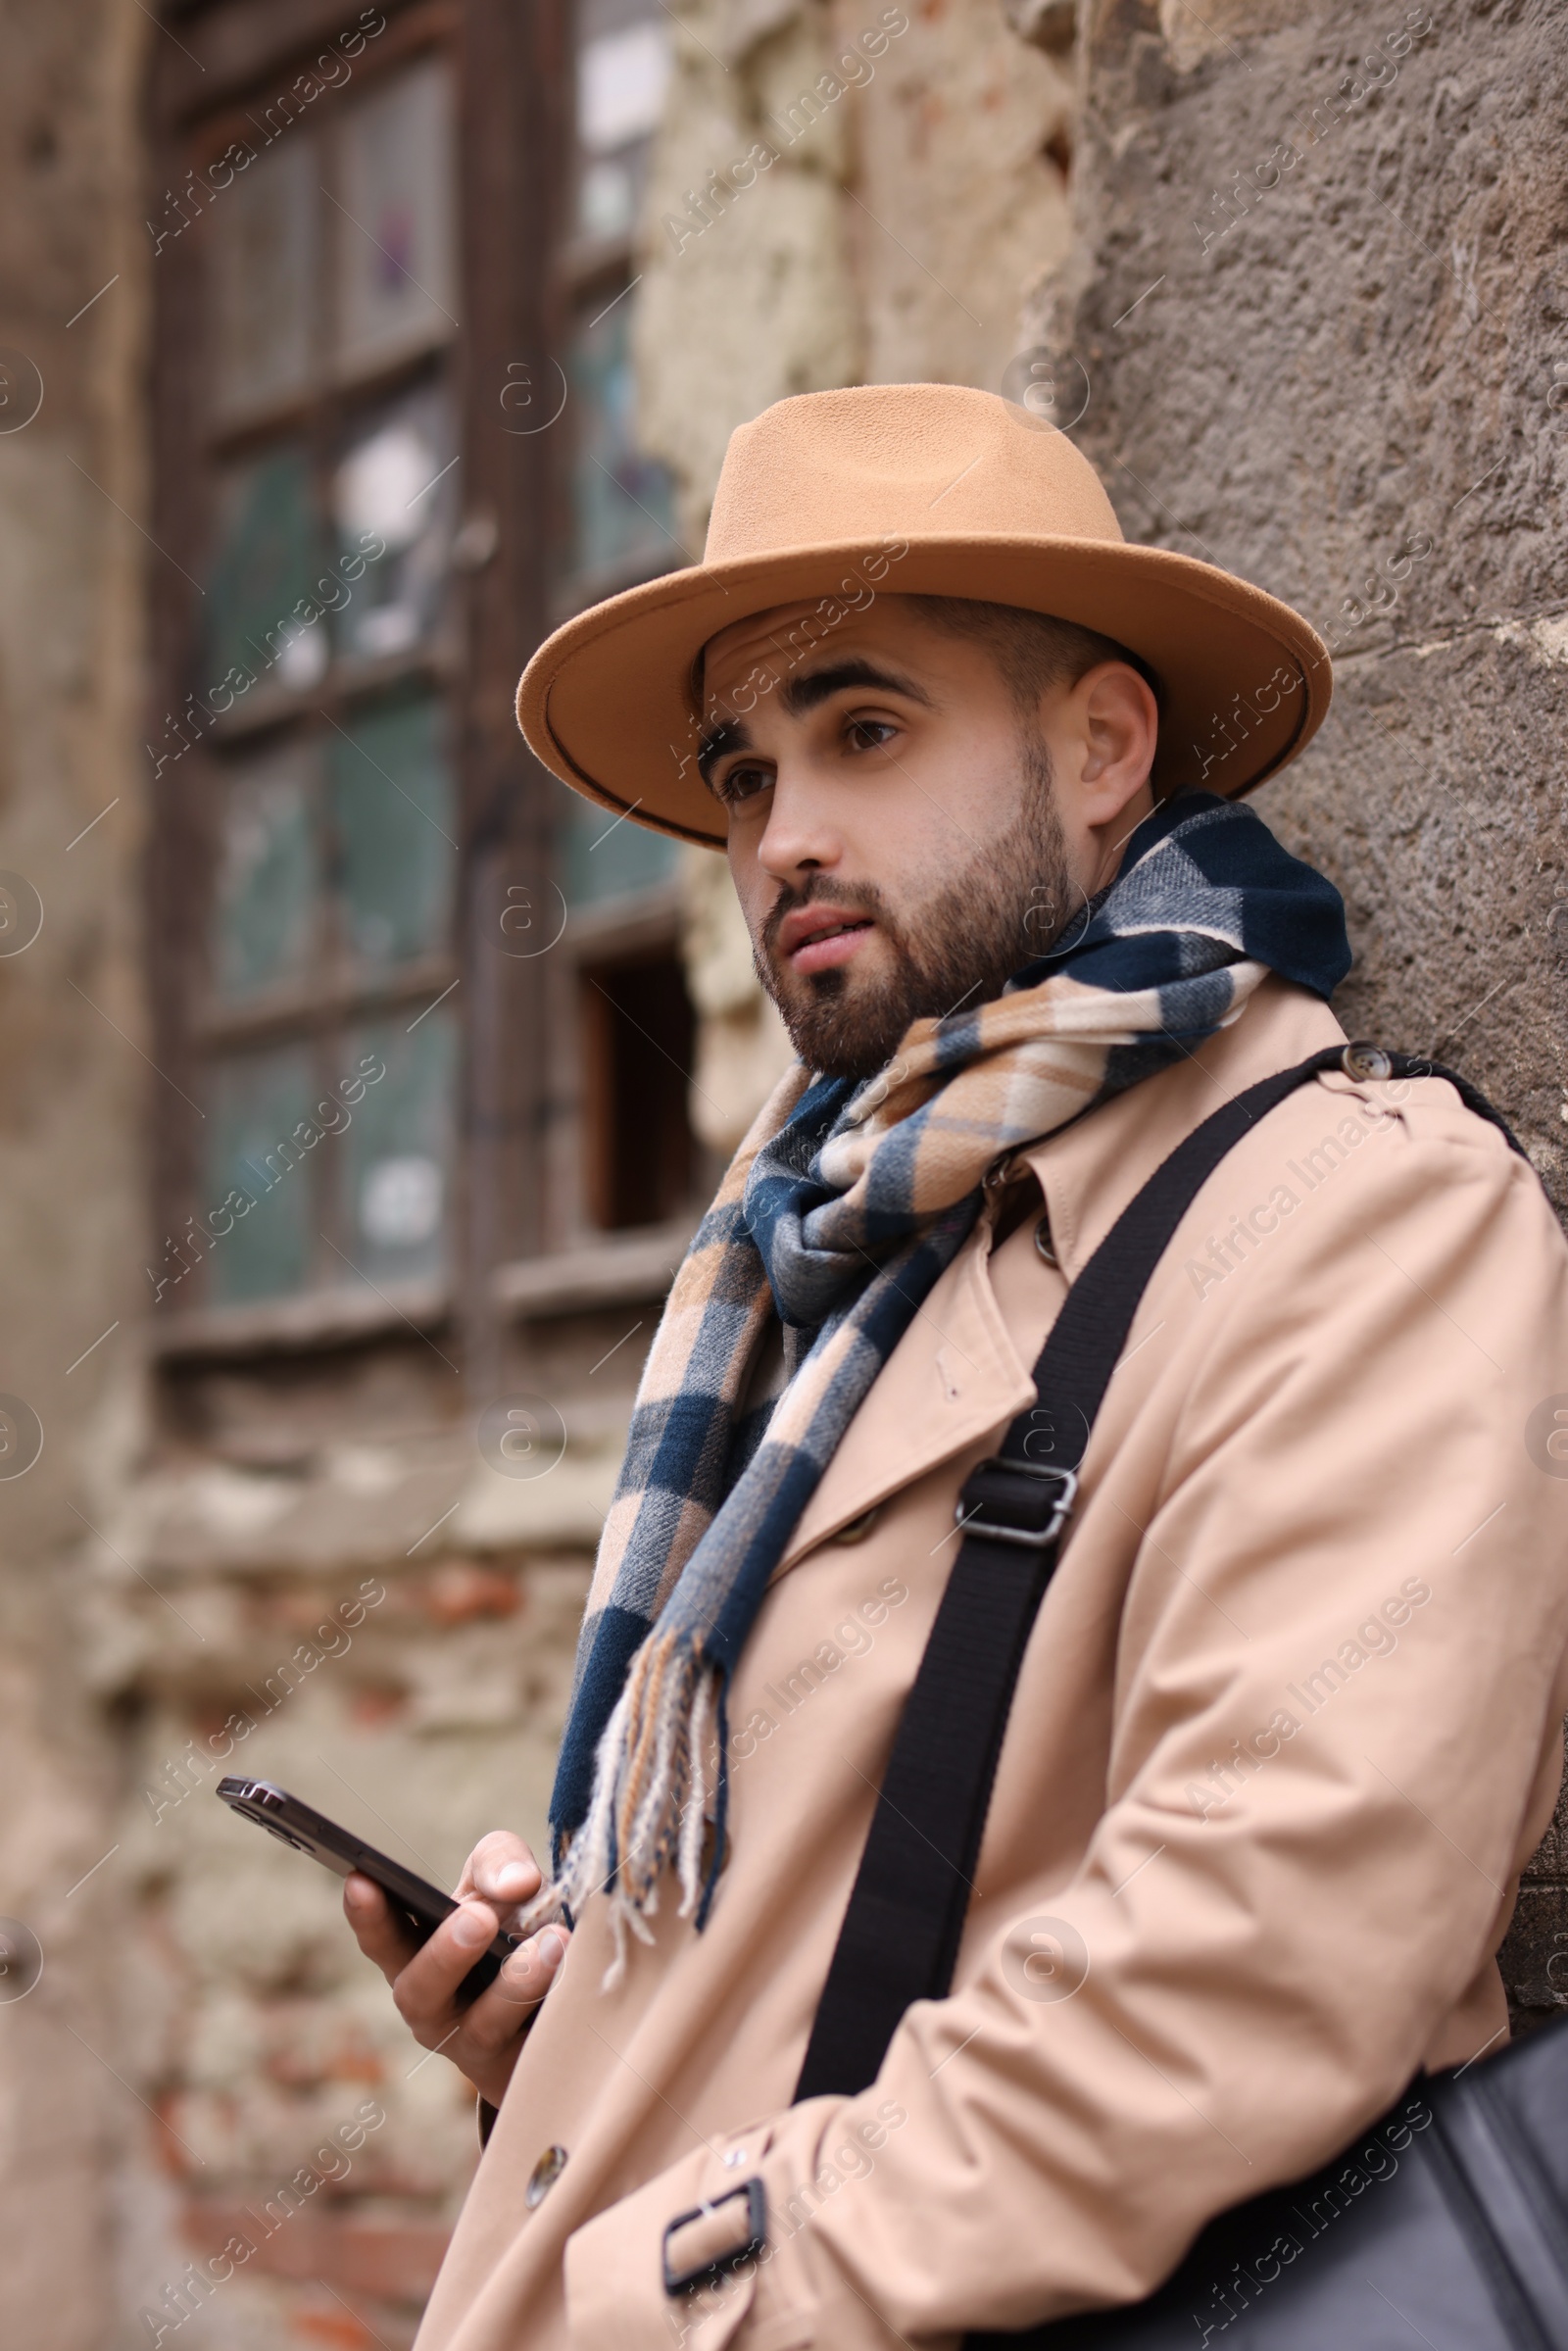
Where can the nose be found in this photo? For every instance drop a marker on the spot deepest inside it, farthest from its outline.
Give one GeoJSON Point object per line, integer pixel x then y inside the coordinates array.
{"type": "Point", "coordinates": [800, 836]}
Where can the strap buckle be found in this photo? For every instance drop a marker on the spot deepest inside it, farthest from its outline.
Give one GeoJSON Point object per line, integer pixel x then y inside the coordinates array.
{"type": "Point", "coordinates": [717, 2266]}
{"type": "Point", "coordinates": [1017, 1501]}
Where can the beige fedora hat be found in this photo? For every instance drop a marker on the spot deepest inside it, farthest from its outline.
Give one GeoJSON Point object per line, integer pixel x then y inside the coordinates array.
{"type": "Point", "coordinates": [912, 489]}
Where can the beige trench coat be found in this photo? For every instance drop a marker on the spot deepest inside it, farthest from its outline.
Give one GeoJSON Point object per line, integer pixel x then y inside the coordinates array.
{"type": "Point", "coordinates": [1286, 1730]}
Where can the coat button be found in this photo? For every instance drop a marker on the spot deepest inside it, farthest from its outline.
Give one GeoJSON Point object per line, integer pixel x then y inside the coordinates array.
{"type": "Point", "coordinates": [1362, 1060]}
{"type": "Point", "coordinates": [1044, 1243]}
{"type": "Point", "coordinates": [542, 2179]}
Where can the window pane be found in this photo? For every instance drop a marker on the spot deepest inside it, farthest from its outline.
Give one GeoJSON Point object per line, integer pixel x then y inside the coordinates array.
{"type": "Point", "coordinates": [620, 85]}
{"type": "Point", "coordinates": [268, 558]}
{"type": "Point", "coordinates": [621, 77]}
{"type": "Point", "coordinates": [397, 486]}
{"type": "Point", "coordinates": [257, 1107]}
{"type": "Point", "coordinates": [622, 508]}
{"type": "Point", "coordinates": [397, 275]}
{"type": "Point", "coordinates": [398, 1154]}
{"type": "Point", "coordinates": [262, 273]}
{"type": "Point", "coordinates": [392, 817]}
{"type": "Point", "coordinates": [601, 857]}
{"type": "Point", "coordinates": [268, 875]}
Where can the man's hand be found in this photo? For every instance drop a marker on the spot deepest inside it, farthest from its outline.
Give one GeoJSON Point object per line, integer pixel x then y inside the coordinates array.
{"type": "Point", "coordinates": [482, 2040]}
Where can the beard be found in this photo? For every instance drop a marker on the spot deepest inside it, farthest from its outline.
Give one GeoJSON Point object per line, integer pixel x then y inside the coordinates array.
{"type": "Point", "coordinates": [1002, 909]}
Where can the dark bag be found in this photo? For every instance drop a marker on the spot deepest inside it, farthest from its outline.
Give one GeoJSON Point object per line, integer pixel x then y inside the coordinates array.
{"type": "Point", "coordinates": [1446, 2223]}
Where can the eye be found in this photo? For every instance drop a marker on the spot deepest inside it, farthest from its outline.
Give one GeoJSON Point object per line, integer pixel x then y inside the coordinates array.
{"type": "Point", "coordinates": [742, 782]}
{"type": "Point", "coordinates": [869, 734]}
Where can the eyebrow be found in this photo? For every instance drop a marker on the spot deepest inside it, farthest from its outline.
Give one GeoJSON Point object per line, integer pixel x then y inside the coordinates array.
{"type": "Point", "coordinates": [798, 695]}
{"type": "Point", "coordinates": [731, 735]}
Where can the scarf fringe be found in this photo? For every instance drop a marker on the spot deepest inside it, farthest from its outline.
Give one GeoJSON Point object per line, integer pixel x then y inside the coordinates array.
{"type": "Point", "coordinates": [655, 1771]}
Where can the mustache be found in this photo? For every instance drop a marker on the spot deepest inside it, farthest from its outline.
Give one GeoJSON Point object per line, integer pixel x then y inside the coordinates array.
{"type": "Point", "coordinates": [822, 891]}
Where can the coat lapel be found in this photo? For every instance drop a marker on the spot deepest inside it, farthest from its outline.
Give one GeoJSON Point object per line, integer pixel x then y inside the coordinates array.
{"type": "Point", "coordinates": [953, 1376]}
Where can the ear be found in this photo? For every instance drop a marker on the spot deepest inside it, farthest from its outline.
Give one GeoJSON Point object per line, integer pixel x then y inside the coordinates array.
{"type": "Point", "coordinates": [1112, 727]}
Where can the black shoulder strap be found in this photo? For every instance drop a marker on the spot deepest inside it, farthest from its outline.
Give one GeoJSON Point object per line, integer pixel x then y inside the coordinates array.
{"type": "Point", "coordinates": [900, 1938]}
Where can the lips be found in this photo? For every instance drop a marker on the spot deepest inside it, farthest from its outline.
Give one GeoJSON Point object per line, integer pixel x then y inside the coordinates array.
{"type": "Point", "coordinates": [816, 938]}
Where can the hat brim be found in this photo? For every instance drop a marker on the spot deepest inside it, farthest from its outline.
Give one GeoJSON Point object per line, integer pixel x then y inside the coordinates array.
{"type": "Point", "coordinates": [606, 702]}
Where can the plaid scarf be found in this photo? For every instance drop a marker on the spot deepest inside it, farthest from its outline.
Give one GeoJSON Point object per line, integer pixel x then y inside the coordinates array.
{"type": "Point", "coordinates": [840, 1209]}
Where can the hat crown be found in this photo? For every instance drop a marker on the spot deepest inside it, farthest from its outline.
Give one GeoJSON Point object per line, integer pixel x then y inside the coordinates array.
{"type": "Point", "coordinates": [915, 461]}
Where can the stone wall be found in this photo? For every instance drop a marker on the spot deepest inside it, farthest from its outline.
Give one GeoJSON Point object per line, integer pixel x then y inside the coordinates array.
{"type": "Point", "coordinates": [72, 1102]}
{"type": "Point", "coordinates": [1320, 302]}
{"type": "Point", "coordinates": [1320, 306]}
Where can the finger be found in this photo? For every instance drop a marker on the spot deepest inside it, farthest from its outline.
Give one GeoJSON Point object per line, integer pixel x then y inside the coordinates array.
{"type": "Point", "coordinates": [378, 1932]}
{"type": "Point", "coordinates": [503, 2007]}
{"type": "Point", "coordinates": [425, 1988]}
{"type": "Point", "coordinates": [502, 1869]}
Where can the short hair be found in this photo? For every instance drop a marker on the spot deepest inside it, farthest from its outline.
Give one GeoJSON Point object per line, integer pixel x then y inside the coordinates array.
{"type": "Point", "coordinates": [1033, 651]}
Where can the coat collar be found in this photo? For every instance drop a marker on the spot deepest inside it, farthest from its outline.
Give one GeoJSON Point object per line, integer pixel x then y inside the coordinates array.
{"type": "Point", "coordinates": [1090, 1171]}
{"type": "Point", "coordinates": [955, 1375]}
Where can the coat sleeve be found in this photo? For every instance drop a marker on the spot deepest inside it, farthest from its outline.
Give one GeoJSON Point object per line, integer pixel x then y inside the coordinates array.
{"type": "Point", "coordinates": [1339, 1674]}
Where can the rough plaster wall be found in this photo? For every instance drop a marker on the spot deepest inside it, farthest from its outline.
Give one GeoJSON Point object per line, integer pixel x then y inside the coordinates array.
{"type": "Point", "coordinates": [747, 298]}
{"type": "Point", "coordinates": [72, 1094]}
{"type": "Point", "coordinates": [890, 239]}
{"type": "Point", "coordinates": [960, 204]}
{"type": "Point", "coordinates": [1321, 373]}
{"type": "Point", "coordinates": [1318, 374]}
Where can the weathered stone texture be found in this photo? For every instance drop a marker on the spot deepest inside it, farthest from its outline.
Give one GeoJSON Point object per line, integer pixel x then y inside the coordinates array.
{"type": "Point", "coordinates": [916, 189]}
{"type": "Point", "coordinates": [1338, 378]}
{"type": "Point", "coordinates": [70, 1093]}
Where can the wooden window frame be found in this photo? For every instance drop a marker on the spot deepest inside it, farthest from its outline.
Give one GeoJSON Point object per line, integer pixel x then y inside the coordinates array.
{"type": "Point", "coordinates": [589, 274]}
{"type": "Point", "coordinates": [511, 60]}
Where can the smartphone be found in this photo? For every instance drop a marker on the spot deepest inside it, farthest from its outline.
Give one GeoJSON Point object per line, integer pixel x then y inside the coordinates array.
{"type": "Point", "coordinates": [421, 1906]}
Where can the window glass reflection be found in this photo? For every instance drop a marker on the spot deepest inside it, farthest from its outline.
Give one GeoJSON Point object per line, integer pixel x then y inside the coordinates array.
{"type": "Point", "coordinates": [258, 1154]}
{"type": "Point", "coordinates": [396, 1157]}
{"type": "Point", "coordinates": [269, 557]}
{"type": "Point", "coordinates": [623, 507]}
{"type": "Point", "coordinates": [262, 256]}
{"type": "Point", "coordinates": [268, 886]}
{"type": "Point", "coordinates": [621, 78]}
{"type": "Point", "coordinates": [396, 489]}
{"type": "Point", "coordinates": [601, 857]}
{"type": "Point", "coordinates": [395, 230]}
{"type": "Point", "coordinates": [391, 801]}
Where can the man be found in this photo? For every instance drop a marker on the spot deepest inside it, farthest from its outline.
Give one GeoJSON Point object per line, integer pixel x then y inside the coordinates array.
{"type": "Point", "coordinates": [1289, 1722]}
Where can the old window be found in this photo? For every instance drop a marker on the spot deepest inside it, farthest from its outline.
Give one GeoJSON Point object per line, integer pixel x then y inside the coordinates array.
{"type": "Point", "coordinates": [369, 241]}
{"type": "Point", "coordinates": [352, 561]}
{"type": "Point", "coordinates": [624, 1026]}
